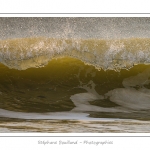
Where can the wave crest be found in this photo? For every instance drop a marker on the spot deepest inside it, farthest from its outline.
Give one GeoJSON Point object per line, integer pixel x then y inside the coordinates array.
{"type": "Point", "coordinates": [114, 54]}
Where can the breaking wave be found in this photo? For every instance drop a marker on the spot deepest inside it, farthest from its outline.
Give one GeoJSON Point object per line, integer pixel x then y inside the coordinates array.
{"type": "Point", "coordinates": [70, 65]}
{"type": "Point", "coordinates": [116, 54]}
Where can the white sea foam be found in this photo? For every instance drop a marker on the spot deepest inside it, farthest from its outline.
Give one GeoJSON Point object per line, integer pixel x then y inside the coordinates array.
{"type": "Point", "coordinates": [55, 115]}
{"type": "Point", "coordinates": [81, 101]}
{"type": "Point", "coordinates": [130, 97]}
{"type": "Point", "coordinates": [102, 53]}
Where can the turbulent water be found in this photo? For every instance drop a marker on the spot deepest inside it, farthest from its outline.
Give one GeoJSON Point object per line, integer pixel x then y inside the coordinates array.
{"type": "Point", "coordinates": [89, 73]}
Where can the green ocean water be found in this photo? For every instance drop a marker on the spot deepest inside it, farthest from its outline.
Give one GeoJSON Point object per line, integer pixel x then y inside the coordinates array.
{"type": "Point", "coordinates": [74, 71]}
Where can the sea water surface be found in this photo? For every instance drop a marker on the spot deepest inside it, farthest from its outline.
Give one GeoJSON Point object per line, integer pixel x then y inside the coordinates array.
{"type": "Point", "coordinates": [75, 75]}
